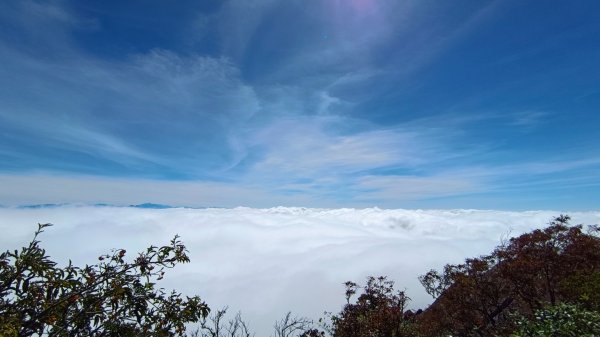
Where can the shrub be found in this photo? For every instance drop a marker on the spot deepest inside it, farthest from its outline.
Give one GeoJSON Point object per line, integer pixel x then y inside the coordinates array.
{"type": "Point", "coordinates": [112, 298]}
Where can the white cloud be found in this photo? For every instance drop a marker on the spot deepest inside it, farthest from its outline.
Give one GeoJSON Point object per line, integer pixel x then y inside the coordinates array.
{"type": "Point", "coordinates": [43, 188]}
{"type": "Point", "coordinates": [416, 187]}
{"type": "Point", "coordinates": [117, 111]}
{"type": "Point", "coordinates": [267, 261]}
{"type": "Point", "coordinates": [316, 192]}
{"type": "Point", "coordinates": [319, 145]}
{"type": "Point", "coordinates": [162, 114]}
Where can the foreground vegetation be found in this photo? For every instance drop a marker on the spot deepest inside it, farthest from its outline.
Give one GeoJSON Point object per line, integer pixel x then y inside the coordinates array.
{"type": "Point", "coordinates": [542, 283]}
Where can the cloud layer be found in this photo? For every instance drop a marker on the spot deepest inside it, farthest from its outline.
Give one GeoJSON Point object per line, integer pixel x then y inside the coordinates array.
{"type": "Point", "coordinates": [265, 262]}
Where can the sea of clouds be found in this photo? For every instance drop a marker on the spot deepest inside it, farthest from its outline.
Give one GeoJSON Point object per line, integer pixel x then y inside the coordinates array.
{"type": "Point", "coordinates": [266, 262]}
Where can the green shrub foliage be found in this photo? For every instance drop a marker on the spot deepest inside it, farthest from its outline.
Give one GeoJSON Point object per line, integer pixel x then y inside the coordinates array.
{"type": "Point", "coordinates": [563, 320]}
{"type": "Point", "coordinates": [114, 297]}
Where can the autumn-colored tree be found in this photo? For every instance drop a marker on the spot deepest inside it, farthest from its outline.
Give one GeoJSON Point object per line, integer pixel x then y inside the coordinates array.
{"type": "Point", "coordinates": [553, 265]}
{"type": "Point", "coordinates": [472, 299]}
{"type": "Point", "coordinates": [542, 268]}
{"type": "Point", "coordinates": [112, 298]}
{"type": "Point", "coordinates": [379, 311]}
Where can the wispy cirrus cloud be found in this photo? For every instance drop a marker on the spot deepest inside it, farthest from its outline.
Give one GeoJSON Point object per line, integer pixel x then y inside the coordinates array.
{"type": "Point", "coordinates": [117, 110]}
{"type": "Point", "coordinates": [302, 102]}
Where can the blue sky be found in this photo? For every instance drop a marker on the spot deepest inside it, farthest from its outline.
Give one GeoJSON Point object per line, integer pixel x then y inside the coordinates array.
{"type": "Point", "coordinates": [321, 103]}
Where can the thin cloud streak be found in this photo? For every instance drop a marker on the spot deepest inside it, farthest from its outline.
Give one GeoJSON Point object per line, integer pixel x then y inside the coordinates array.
{"type": "Point", "coordinates": [292, 179]}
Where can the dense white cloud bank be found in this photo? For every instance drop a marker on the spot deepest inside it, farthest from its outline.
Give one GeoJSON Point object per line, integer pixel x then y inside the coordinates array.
{"type": "Point", "coordinates": [268, 261]}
